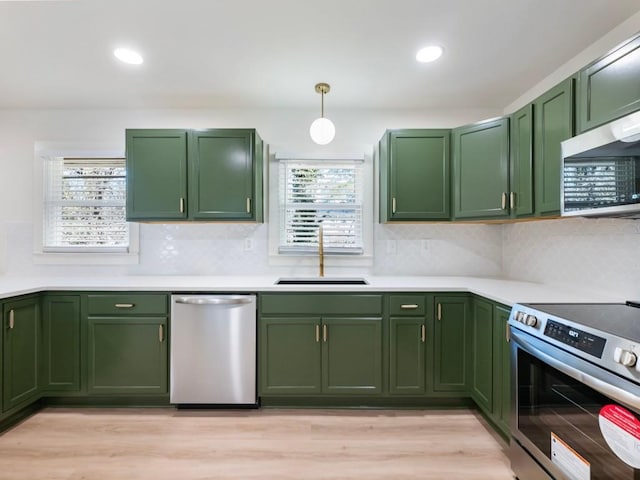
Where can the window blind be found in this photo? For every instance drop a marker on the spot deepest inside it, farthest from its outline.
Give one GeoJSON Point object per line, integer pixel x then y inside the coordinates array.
{"type": "Point", "coordinates": [85, 205]}
{"type": "Point", "coordinates": [320, 191]}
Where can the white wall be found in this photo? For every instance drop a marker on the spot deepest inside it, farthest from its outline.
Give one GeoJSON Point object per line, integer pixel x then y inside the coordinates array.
{"type": "Point", "coordinates": [219, 249]}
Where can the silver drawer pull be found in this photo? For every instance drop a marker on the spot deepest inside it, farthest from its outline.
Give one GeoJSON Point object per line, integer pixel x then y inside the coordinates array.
{"type": "Point", "coordinates": [125, 305]}
{"type": "Point", "coordinates": [11, 319]}
{"type": "Point", "coordinates": [409, 306]}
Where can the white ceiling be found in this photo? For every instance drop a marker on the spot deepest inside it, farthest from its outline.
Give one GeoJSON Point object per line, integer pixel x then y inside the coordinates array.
{"type": "Point", "coordinates": [271, 53]}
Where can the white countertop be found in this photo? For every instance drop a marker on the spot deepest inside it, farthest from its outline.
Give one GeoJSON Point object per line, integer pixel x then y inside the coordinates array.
{"type": "Point", "coordinates": [503, 291]}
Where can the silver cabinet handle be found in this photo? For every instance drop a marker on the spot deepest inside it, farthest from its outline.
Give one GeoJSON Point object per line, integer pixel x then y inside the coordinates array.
{"type": "Point", "coordinates": [205, 300]}
{"type": "Point", "coordinates": [181, 204]}
{"type": "Point", "coordinates": [317, 333]}
{"type": "Point", "coordinates": [423, 333]}
{"type": "Point", "coordinates": [507, 335]}
{"type": "Point", "coordinates": [161, 333]}
{"type": "Point", "coordinates": [11, 319]}
{"type": "Point", "coordinates": [324, 333]}
{"type": "Point", "coordinates": [439, 311]}
{"type": "Point", "coordinates": [512, 200]}
{"type": "Point", "coordinates": [409, 306]}
{"type": "Point", "coordinates": [504, 200]}
{"type": "Point", "coordinates": [248, 205]}
{"type": "Point", "coordinates": [393, 205]}
{"type": "Point", "coordinates": [125, 305]}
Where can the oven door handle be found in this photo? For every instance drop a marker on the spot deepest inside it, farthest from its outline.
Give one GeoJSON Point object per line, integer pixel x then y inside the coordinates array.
{"type": "Point", "coordinates": [618, 394]}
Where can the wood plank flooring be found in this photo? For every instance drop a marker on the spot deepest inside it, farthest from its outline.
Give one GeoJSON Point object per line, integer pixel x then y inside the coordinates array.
{"type": "Point", "coordinates": [159, 444]}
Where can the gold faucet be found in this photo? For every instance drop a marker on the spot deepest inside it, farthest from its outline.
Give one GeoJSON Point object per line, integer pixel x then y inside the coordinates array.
{"type": "Point", "coordinates": [321, 249]}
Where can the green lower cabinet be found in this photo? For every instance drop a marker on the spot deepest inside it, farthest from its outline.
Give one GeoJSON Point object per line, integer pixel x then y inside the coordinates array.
{"type": "Point", "coordinates": [501, 369]}
{"type": "Point", "coordinates": [482, 370]}
{"type": "Point", "coordinates": [290, 356]}
{"type": "Point", "coordinates": [61, 344]}
{"type": "Point", "coordinates": [126, 355]}
{"type": "Point", "coordinates": [22, 330]}
{"type": "Point", "coordinates": [407, 348]}
{"type": "Point", "coordinates": [452, 344]}
{"type": "Point", "coordinates": [352, 355]}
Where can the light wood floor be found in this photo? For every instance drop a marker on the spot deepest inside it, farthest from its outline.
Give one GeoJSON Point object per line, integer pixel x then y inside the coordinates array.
{"type": "Point", "coordinates": [158, 444]}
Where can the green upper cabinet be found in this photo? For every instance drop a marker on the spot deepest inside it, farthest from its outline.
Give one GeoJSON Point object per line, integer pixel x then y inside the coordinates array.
{"type": "Point", "coordinates": [225, 178]}
{"type": "Point", "coordinates": [481, 169]}
{"type": "Point", "coordinates": [21, 354]}
{"type": "Point", "coordinates": [414, 175]}
{"type": "Point", "coordinates": [521, 151]}
{"type": "Point", "coordinates": [610, 87]}
{"type": "Point", "coordinates": [156, 174]}
{"type": "Point", "coordinates": [194, 175]}
{"type": "Point", "coordinates": [553, 123]}
{"type": "Point", "coordinates": [61, 344]}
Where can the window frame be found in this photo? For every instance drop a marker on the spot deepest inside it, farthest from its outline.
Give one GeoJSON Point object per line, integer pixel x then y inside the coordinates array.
{"type": "Point", "coordinates": [44, 151]}
{"type": "Point", "coordinates": [299, 259]}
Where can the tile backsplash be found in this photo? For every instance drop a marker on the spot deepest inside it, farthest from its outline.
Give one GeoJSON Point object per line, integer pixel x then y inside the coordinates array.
{"type": "Point", "coordinates": [596, 254]}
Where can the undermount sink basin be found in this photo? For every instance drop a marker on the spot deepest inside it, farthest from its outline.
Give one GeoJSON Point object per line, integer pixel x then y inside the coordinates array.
{"type": "Point", "coordinates": [321, 281]}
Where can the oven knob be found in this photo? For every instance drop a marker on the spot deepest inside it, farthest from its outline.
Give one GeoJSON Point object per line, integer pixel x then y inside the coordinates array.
{"type": "Point", "coordinates": [625, 357]}
{"type": "Point", "coordinates": [530, 321]}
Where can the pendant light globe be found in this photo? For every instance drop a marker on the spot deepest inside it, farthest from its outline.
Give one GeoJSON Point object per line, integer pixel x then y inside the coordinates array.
{"type": "Point", "coordinates": [322, 129]}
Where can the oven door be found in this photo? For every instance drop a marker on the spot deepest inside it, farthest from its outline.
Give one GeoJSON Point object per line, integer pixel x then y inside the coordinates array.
{"type": "Point", "coordinates": [570, 419]}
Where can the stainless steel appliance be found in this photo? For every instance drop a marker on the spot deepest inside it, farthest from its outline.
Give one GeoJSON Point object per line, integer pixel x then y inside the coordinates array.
{"type": "Point", "coordinates": [575, 391]}
{"type": "Point", "coordinates": [213, 350]}
{"type": "Point", "coordinates": [601, 170]}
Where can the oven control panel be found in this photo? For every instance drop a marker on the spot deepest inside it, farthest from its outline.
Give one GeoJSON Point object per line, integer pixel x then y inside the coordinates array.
{"type": "Point", "coordinates": [579, 339]}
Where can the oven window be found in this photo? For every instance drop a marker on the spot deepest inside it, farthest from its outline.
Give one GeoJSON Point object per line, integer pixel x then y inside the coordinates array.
{"type": "Point", "coordinates": [551, 402]}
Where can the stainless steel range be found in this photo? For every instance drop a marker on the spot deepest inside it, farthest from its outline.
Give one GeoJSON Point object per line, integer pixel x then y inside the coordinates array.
{"type": "Point", "coordinates": [575, 391]}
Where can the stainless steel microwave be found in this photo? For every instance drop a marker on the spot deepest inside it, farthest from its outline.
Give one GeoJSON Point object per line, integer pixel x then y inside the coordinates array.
{"type": "Point", "coordinates": [601, 171]}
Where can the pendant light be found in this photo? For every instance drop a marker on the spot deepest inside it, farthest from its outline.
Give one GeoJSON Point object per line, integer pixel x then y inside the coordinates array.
{"type": "Point", "coordinates": [322, 129]}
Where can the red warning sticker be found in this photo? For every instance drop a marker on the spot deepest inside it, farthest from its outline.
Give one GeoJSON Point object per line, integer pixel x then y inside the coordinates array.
{"type": "Point", "coordinates": [621, 430]}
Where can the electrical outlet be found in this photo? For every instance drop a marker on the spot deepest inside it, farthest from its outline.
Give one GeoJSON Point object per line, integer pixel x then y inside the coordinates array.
{"type": "Point", "coordinates": [248, 245]}
{"type": "Point", "coordinates": [391, 247]}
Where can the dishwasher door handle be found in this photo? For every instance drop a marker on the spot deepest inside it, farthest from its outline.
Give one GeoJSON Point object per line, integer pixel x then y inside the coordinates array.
{"type": "Point", "coordinates": [203, 300]}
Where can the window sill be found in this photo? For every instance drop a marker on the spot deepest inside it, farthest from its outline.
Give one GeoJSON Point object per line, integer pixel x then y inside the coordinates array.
{"type": "Point", "coordinates": [86, 258]}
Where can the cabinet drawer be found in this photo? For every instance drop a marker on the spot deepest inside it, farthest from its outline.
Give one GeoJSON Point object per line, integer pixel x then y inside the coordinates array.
{"type": "Point", "coordinates": [414, 305]}
{"type": "Point", "coordinates": [321, 304]}
{"type": "Point", "coordinates": [127, 304]}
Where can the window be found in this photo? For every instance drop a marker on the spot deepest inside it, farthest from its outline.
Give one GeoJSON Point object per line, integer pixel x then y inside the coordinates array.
{"type": "Point", "coordinates": [314, 192]}
{"type": "Point", "coordinates": [84, 207]}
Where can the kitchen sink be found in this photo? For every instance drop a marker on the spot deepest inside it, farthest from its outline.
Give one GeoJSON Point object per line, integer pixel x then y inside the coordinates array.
{"type": "Point", "coordinates": [321, 281]}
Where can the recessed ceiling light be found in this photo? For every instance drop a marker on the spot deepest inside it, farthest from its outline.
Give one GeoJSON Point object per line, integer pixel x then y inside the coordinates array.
{"type": "Point", "coordinates": [429, 54]}
{"type": "Point", "coordinates": [128, 56]}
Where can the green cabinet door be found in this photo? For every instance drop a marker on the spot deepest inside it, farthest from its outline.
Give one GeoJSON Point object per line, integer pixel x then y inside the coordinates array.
{"type": "Point", "coordinates": [414, 175]}
{"type": "Point", "coordinates": [126, 355]}
{"type": "Point", "coordinates": [351, 355]}
{"type": "Point", "coordinates": [502, 369]}
{"type": "Point", "coordinates": [222, 184]}
{"type": "Point", "coordinates": [22, 330]}
{"type": "Point", "coordinates": [156, 174]}
{"type": "Point", "coordinates": [407, 367]}
{"type": "Point", "coordinates": [451, 344]}
{"type": "Point", "coordinates": [521, 177]}
{"type": "Point", "coordinates": [610, 87]}
{"type": "Point", "coordinates": [483, 355]}
{"type": "Point", "coordinates": [481, 169]}
{"type": "Point", "coordinates": [290, 355]}
{"type": "Point", "coordinates": [61, 344]}
{"type": "Point", "coordinates": [553, 123]}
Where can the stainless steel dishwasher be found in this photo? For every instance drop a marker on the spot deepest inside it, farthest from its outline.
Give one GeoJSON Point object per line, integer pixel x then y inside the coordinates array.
{"type": "Point", "coordinates": [213, 350]}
